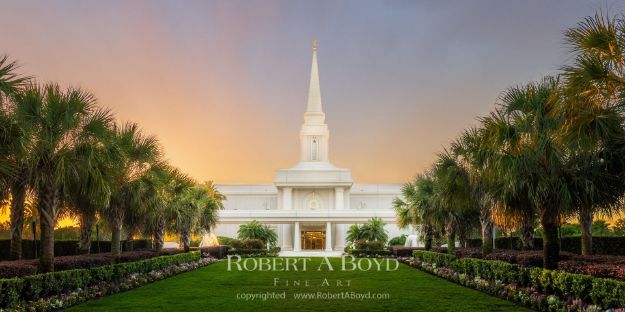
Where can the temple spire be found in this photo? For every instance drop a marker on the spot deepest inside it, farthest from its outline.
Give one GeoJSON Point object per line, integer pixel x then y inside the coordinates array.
{"type": "Point", "coordinates": [314, 91]}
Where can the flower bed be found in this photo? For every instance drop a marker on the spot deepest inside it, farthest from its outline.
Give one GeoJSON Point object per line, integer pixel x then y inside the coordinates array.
{"type": "Point", "coordinates": [603, 266]}
{"type": "Point", "coordinates": [20, 268]}
{"type": "Point", "coordinates": [54, 290]}
{"type": "Point", "coordinates": [544, 290]}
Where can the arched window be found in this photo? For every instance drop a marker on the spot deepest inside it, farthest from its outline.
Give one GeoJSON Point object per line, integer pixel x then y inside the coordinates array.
{"type": "Point", "coordinates": [314, 149]}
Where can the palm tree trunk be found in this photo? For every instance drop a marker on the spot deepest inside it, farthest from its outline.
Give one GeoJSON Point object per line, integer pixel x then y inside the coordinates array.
{"type": "Point", "coordinates": [86, 224]}
{"type": "Point", "coordinates": [551, 243]}
{"type": "Point", "coordinates": [486, 220]}
{"type": "Point", "coordinates": [18, 196]}
{"type": "Point", "coordinates": [116, 238]}
{"type": "Point", "coordinates": [438, 240]}
{"type": "Point", "coordinates": [116, 218]}
{"type": "Point", "coordinates": [130, 240]}
{"type": "Point", "coordinates": [47, 206]}
{"type": "Point", "coordinates": [462, 236]}
{"type": "Point", "coordinates": [527, 235]}
{"type": "Point", "coordinates": [585, 220]}
{"type": "Point", "coordinates": [428, 236]}
{"type": "Point", "coordinates": [186, 240]}
{"type": "Point", "coordinates": [159, 236]}
{"type": "Point", "coordinates": [450, 229]}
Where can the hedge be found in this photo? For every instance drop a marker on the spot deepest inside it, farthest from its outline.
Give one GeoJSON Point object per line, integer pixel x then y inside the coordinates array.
{"type": "Point", "coordinates": [404, 251]}
{"type": "Point", "coordinates": [69, 247]}
{"type": "Point", "coordinates": [366, 253]}
{"type": "Point", "coordinates": [609, 245]}
{"type": "Point", "coordinates": [607, 293]}
{"type": "Point", "coordinates": [217, 252]}
{"type": "Point", "coordinates": [16, 290]}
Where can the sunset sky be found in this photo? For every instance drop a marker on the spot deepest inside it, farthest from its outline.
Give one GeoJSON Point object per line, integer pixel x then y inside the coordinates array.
{"type": "Point", "coordinates": [223, 84]}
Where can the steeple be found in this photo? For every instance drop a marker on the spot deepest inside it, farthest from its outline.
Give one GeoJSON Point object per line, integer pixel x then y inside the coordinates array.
{"type": "Point", "coordinates": [314, 112]}
{"type": "Point", "coordinates": [314, 135]}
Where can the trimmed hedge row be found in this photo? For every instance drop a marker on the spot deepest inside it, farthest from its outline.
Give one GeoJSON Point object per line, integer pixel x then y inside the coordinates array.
{"type": "Point", "coordinates": [69, 247]}
{"type": "Point", "coordinates": [217, 252]}
{"type": "Point", "coordinates": [612, 245]}
{"type": "Point", "coordinates": [400, 251]}
{"type": "Point", "coordinates": [607, 293]}
{"type": "Point", "coordinates": [367, 253]}
{"type": "Point", "coordinates": [16, 290]}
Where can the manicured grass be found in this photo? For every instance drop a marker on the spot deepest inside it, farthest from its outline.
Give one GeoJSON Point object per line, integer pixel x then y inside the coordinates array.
{"type": "Point", "coordinates": [213, 288]}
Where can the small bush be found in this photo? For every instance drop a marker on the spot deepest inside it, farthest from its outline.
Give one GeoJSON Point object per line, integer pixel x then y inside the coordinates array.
{"type": "Point", "coordinates": [366, 253]}
{"type": "Point", "coordinates": [398, 240]}
{"type": "Point", "coordinates": [440, 259]}
{"type": "Point", "coordinates": [253, 243]}
{"type": "Point", "coordinates": [217, 252]}
{"type": "Point", "coordinates": [223, 240]}
{"type": "Point", "coordinates": [368, 244]}
{"type": "Point", "coordinates": [236, 244]}
{"type": "Point", "coordinates": [404, 251]}
{"type": "Point", "coordinates": [16, 268]}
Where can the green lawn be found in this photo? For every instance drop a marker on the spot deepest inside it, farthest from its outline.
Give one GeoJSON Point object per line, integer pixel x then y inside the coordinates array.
{"type": "Point", "coordinates": [213, 288]}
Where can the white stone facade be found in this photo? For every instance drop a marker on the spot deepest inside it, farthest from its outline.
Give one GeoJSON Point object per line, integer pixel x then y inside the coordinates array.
{"type": "Point", "coordinates": [311, 204]}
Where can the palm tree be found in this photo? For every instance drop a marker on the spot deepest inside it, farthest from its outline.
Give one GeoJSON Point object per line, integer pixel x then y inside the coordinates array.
{"type": "Point", "coordinates": [598, 70]}
{"type": "Point", "coordinates": [155, 192]}
{"type": "Point", "coordinates": [13, 147]}
{"type": "Point", "coordinates": [257, 230]}
{"type": "Point", "coordinates": [374, 230]}
{"type": "Point", "coordinates": [140, 153]}
{"type": "Point", "coordinates": [354, 233]}
{"type": "Point", "coordinates": [10, 81]}
{"type": "Point", "coordinates": [452, 196]}
{"type": "Point", "coordinates": [194, 212]}
{"type": "Point", "coordinates": [527, 157]}
{"type": "Point", "coordinates": [60, 121]}
{"type": "Point", "coordinates": [89, 189]}
{"type": "Point", "coordinates": [594, 89]}
{"type": "Point", "coordinates": [407, 209]}
{"type": "Point", "coordinates": [417, 206]}
{"type": "Point", "coordinates": [468, 150]}
{"type": "Point", "coordinates": [217, 196]}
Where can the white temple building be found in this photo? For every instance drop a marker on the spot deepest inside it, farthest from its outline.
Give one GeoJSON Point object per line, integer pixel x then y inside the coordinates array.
{"type": "Point", "coordinates": [312, 204]}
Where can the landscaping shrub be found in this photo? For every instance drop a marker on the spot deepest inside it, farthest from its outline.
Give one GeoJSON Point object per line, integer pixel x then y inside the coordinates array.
{"type": "Point", "coordinates": [469, 253]}
{"type": "Point", "coordinates": [368, 244]}
{"type": "Point", "coordinates": [404, 251]}
{"type": "Point", "coordinates": [603, 270]}
{"type": "Point", "coordinates": [21, 268]}
{"type": "Point", "coordinates": [223, 240]}
{"type": "Point", "coordinates": [440, 259]}
{"type": "Point", "coordinates": [252, 252]}
{"type": "Point", "coordinates": [368, 253]}
{"type": "Point", "coordinates": [15, 290]}
{"type": "Point", "coordinates": [10, 269]}
{"type": "Point", "coordinates": [236, 244]}
{"type": "Point", "coordinates": [611, 245]}
{"type": "Point", "coordinates": [605, 293]}
{"type": "Point", "coordinates": [253, 243]}
{"type": "Point", "coordinates": [398, 240]}
{"type": "Point", "coordinates": [217, 252]}
{"type": "Point", "coordinates": [68, 247]}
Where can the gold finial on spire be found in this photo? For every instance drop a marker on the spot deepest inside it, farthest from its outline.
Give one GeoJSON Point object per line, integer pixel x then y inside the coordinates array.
{"type": "Point", "coordinates": [314, 44]}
